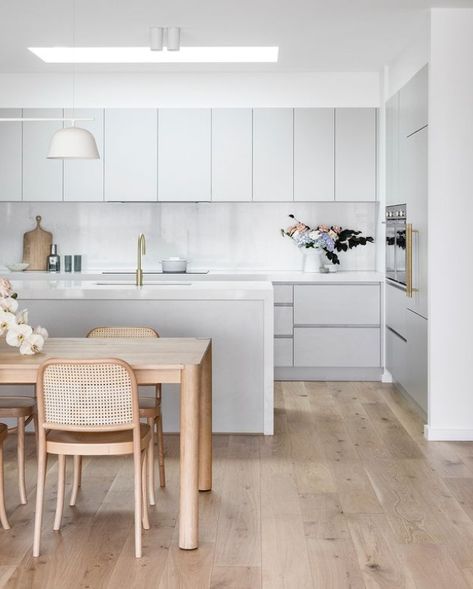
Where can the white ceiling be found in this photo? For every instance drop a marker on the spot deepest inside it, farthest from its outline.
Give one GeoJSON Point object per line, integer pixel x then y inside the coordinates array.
{"type": "Point", "coordinates": [313, 35]}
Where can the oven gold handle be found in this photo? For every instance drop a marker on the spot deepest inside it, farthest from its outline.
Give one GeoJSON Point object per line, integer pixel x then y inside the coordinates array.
{"type": "Point", "coordinates": [410, 290]}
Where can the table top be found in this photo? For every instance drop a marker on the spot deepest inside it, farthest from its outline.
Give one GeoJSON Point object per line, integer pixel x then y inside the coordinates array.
{"type": "Point", "coordinates": [141, 354]}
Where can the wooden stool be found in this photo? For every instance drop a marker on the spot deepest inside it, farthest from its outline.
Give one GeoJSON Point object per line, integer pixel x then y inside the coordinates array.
{"type": "Point", "coordinates": [22, 409]}
{"type": "Point", "coordinates": [150, 409]}
{"type": "Point", "coordinates": [3, 513]}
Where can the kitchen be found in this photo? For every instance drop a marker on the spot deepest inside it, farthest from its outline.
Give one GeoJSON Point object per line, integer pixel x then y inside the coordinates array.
{"type": "Point", "coordinates": [221, 196]}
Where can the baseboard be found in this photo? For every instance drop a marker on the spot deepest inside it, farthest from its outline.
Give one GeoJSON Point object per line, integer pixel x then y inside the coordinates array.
{"type": "Point", "coordinates": [387, 377]}
{"type": "Point", "coordinates": [360, 374]}
{"type": "Point", "coordinates": [440, 434]}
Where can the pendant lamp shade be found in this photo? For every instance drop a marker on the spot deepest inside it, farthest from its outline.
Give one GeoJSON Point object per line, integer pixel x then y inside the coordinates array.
{"type": "Point", "coordinates": [73, 143]}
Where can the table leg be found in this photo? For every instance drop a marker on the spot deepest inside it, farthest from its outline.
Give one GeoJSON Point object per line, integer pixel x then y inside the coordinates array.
{"type": "Point", "coordinates": [189, 459]}
{"type": "Point", "coordinates": [205, 424]}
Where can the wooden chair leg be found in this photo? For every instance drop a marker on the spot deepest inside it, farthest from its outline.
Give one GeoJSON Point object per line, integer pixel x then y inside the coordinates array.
{"type": "Point", "coordinates": [144, 490]}
{"type": "Point", "coordinates": [61, 482]}
{"type": "Point", "coordinates": [160, 437]}
{"type": "Point", "coordinates": [42, 461]}
{"type": "Point", "coordinates": [137, 478]}
{"type": "Point", "coordinates": [3, 513]}
{"type": "Point", "coordinates": [77, 479]}
{"type": "Point", "coordinates": [36, 429]}
{"type": "Point", "coordinates": [150, 482]}
{"type": "Point", "coordinates": [21, 459]}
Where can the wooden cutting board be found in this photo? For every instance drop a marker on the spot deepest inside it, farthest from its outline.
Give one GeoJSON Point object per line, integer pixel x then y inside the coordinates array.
{"type": "Point", "coordinates": [37, 247]}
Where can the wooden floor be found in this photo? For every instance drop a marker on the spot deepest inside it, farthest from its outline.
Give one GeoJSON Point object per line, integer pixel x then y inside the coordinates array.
{"type": "Point", "coordinates": [346, 494]}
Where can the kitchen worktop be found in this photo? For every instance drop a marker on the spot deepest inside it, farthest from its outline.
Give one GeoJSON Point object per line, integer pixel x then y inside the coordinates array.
{"type": "Point", "coordinates": [224, 275]}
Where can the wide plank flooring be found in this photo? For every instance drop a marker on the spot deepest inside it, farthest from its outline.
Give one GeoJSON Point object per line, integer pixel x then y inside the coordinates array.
{"type": "Point", "coordinates": [347, 494]}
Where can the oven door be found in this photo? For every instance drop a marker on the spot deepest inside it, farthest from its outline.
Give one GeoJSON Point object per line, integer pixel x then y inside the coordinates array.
{"type": "Point", "coordinates": [391, 250]}
{"type": "Point", "coordinates": [400, 252]}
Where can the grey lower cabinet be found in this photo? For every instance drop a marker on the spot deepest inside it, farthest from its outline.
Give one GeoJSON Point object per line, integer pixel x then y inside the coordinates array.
{"type": "Point", "coordinates": [42, 177]}
{"type": "Point", "coordinates": [327, 331]}
{"type": "Point", "coordinates": [416, 382]}
{"type": "Point", "coordinates": [396, 357]}
{"type": "Point", "coordinates": [11, 156]}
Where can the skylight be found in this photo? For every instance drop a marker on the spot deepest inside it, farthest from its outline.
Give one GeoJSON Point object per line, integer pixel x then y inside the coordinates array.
{"type": "Point", "coordinates": [145, 55]}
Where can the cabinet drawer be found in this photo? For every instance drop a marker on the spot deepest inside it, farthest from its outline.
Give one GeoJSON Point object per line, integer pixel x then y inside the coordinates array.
{"type": "Point", "coordinates": [283, 293]}
{"type": "Point", "coordinates": [396, 305]}
{"type": "Point", "coordinates": [283, 351]}
{"type": "Point", "coordinates": [283, 321]}
{"type": "Point", "coordinates": [337, 304]}
{"type": "Point", "coordinates": [396, 357]}
{"type": "Point", "coordinates": [338, 347]}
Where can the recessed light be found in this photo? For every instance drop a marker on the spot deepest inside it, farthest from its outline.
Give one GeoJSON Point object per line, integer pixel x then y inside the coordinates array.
{"type": "Point", "coordinates": [145, 55]}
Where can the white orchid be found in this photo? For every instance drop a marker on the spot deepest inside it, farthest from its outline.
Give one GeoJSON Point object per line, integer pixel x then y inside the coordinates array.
{"type": "Point", "coordinates": [42, 332]}
{"type": "Point", "coordinates": [7, 320]}
{"type": "Point", "coordinates": [32, 344]}
{"type": "Point", "coordinates": [17, 334]}
{"type": "Point", "coordinates": [6, 289]}
{"type": "Point", "coordinates": [9, 304]}
{"type": "Point", "coordinates": [22, 317]}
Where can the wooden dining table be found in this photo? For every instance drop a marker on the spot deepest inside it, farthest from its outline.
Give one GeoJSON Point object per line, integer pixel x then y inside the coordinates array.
{"type": "Point", "coordinates": [183, 361]}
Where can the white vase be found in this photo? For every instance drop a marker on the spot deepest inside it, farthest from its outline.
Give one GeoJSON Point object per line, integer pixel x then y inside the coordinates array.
{"type": "Point", "coordinates": [312, 260]}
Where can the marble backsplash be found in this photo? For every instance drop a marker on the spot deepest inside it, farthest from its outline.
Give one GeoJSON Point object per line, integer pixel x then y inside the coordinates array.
{"type": "Point", "coordinates": [209, 235]}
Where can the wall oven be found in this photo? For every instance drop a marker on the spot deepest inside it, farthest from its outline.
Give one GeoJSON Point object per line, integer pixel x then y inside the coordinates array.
{"type": "Point", "coordinates": [396, 244]}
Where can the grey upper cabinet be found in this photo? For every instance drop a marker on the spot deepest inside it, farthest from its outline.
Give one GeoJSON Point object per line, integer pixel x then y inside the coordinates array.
{"type": "Point", "coordinates": [355, 154]}
{"type": "Point", "coordinates": [314, 157]}
{"type": "Point", "coordinates": [10, 160]}
{"type": "Point", "coordinates": [273, 154]}
{"type": "Point", "coordinates": [42, 178]}
{"type": "Point", "coordinates": [184, 155]}
{"type": "Point", "coordinates": [232, 154]}
{"type": "Point", "coordinates": [131, 144]}
{"type": "Point", "coordinates": [83, 179]}
{"type": "Point", "coordinates": [393, 196]}
{"type": "Point", "coordinates": [414, 103]}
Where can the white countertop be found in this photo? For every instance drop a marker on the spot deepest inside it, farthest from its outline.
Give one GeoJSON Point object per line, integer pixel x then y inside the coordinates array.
{"type": "Point", "coordinates": [230, 275]}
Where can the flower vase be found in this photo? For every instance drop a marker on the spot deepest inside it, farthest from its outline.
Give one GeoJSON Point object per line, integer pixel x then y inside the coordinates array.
{"type": "Point", "coordinates": [312, 260]}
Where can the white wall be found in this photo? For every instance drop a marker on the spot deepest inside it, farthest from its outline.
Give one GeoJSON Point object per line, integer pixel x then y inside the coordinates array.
{"type": "Point", "coordinates": [409, 61]}
{"type": "Point", "coordinates": [320, 89]}
{"type": "Point", "coordinates": [450, 224]}
{"type": "Point", "coordinates": [211, 235]}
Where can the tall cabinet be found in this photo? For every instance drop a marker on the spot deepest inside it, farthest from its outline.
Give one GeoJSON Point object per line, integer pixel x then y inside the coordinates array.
{"type": "Point", "coordinates": [407, 183]}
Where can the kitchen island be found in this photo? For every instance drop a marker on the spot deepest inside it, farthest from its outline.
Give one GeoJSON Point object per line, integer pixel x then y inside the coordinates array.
{"type": "Point", "coordinates": [237, 315]}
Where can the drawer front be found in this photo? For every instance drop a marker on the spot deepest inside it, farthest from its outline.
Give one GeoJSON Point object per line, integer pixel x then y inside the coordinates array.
{"type": "Point", "coordinates": [283, 321]}
{"type": "Point", "coordinates": [283, 351]}
{"type": "Point", "coordinates": [396, 308]}
{"type": "Point", "coordinates": [283, 293]}
{"type": "Point", "coordinates": [396, 357]}
{"type": "Point", "coordinates": [337, 347]}
{"type": "Point", "coordinates": [337, 304]}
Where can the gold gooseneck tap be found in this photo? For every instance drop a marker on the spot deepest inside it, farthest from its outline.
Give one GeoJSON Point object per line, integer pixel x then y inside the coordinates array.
{"type": "Point", "coordinates": [141, 253]}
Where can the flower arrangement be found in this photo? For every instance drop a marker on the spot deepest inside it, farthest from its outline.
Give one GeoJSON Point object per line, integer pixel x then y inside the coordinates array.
{"type": "Point", "coordinates": [14, 323]}
{"type": "Point", "coordinates": [330, 240]}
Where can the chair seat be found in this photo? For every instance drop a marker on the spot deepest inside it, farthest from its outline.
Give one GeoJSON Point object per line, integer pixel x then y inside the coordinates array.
{"type": "Point", "coordinates": [3, 431]}
{"type": "Point", "coordinates": [148, 407]}
{"type": "Point", "coordinates": [16, 406]}
{"type": "Point", "coordinates": [95, 443]}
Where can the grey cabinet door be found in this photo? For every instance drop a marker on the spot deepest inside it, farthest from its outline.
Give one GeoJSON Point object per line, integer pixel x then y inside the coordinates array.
{"type": "Point", "coordinates": [10, 156]}
{"type": "Point", "coordinates": [396, 357]}
{"type": "Point", "coordinates": [42, 178]}
{"type": "Point", "coordinates": [232, 154]}
{"type": "Point", "coordinates": [131, 145]}
{"type": "Point", "coordinates": [414, 181]}
{"type": "Point", "coordinates": [355, 154]}
{"type": "Point", "coordinates": [273, 144]}
{"type": "Point", "coordinates": [417, 363]}
{"type": "Point", "coordinates": [414, 103]}
{"type": "Point", "coordinates": [393, 196]}
{"type": "Point", "coordinates": [83, 179]}
{"type": "Point", "coordinates": [184, 154]}
{"type": "Point", "coordinates": [314, 156]}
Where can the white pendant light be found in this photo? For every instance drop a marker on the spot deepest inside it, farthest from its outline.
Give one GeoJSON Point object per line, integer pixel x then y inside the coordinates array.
{"type": "Point", "coordinates": [73, 142]}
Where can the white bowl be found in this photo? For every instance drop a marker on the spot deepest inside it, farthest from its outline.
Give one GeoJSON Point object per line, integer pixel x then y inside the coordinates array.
{"type": "Point", "coordinates": [18, 267]}
{"type": "Point", "coordinates": [174, 265]}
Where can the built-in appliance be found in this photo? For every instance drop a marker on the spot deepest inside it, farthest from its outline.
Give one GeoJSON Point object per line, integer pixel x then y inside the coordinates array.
{"type": "Point", "coordinates": [396, 243]}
